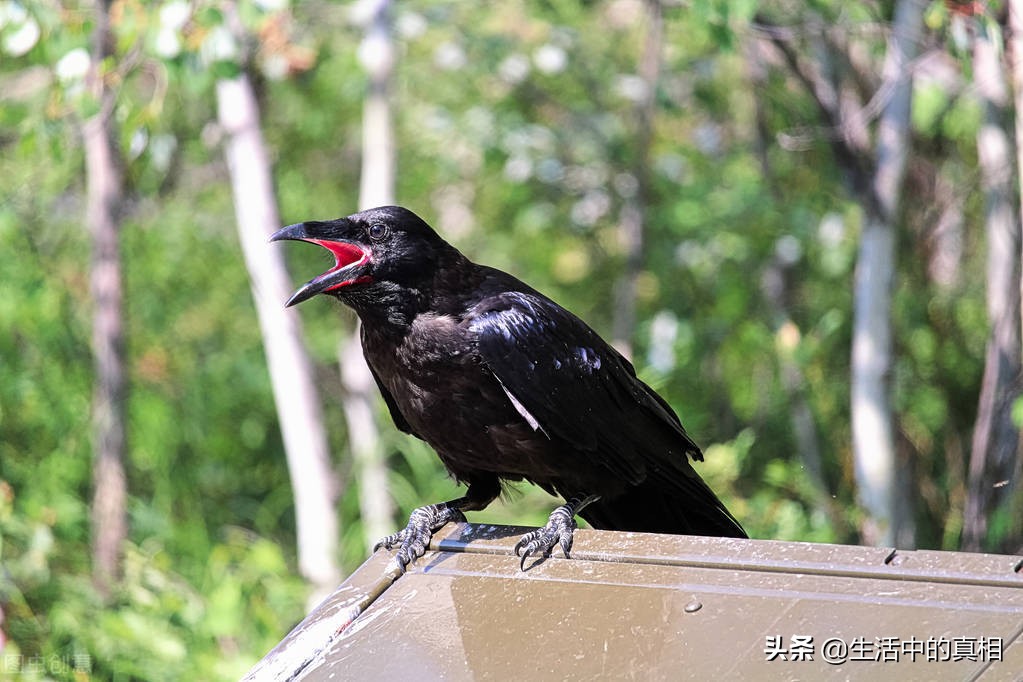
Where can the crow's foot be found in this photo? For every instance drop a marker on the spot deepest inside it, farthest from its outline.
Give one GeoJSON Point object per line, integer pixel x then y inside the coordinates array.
{"type": "Point", "coordinates": [542, 541]}
{"type": "Point", "coordinates": [413, 539]}
{"type": "Point", "coordinates": [558, 531]}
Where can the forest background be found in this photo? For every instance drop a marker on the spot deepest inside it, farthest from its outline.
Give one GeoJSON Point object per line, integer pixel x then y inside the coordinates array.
{"type": "Point", "coordinates": [800, 220]}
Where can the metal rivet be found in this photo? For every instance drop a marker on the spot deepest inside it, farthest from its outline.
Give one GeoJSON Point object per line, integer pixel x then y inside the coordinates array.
{"type": "Point", "coordinates": [693, 606]}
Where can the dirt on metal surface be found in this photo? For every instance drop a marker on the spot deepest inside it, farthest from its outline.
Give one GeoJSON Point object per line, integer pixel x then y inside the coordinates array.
{"type": "Point", "coordinates": [663, 607]}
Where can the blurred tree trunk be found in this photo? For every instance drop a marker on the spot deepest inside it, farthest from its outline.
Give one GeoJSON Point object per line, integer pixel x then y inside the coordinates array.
{"type": "Point", "coordinates": [291, 372]}
{"type": "Point", "coordinates": [104, 197]}
{"type": "Point", "coordinates": [376, 188]}
{"type": "Point", "coordinates": [1014, 542]}
{"type": "Point", "coordinates": [946, 234]}
{"type": "Point", "coordinates": [840, 80]}
{"type": "Point", "coordinates": [880, 479]}
{"type": "Point", "coordinates": [633, 217]}
{"type": "Point", "coordinates": [994, 455]}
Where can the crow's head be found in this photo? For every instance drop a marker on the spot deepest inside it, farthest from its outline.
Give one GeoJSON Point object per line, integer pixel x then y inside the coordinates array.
{"type": "Point", "coordinates": [378, 254]}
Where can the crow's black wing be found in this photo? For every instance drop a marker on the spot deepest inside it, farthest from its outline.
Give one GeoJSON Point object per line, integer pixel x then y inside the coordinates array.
{"type": "Point", "coordinates": [570, 384]}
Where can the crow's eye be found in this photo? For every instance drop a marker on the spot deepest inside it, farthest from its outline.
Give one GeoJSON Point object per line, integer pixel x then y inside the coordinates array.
{"type": "Point", "coordinates": [377, 231]}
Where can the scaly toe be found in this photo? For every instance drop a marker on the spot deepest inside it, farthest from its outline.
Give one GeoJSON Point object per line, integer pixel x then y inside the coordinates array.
{"type": "Point", "coordinates": [542, 541]}
{"type": "Point", "coordinates": [413, 539]}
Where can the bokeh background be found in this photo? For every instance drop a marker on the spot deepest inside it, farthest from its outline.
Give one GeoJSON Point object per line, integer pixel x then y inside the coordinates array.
{"type": "Point", "coordinates": [736, 193]}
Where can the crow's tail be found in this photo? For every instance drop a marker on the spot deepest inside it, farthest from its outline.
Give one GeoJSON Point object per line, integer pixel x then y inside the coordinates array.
{"type": "Point", "coordinates": [680, 506]}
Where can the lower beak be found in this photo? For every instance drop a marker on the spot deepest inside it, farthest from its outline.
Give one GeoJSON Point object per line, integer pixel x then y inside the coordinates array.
{"type": "Point", "coordinates": [349, 259]}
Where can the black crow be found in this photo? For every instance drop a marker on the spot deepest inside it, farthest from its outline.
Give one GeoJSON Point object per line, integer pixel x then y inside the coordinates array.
{"type": "Point", "coordinates": [506, 385]}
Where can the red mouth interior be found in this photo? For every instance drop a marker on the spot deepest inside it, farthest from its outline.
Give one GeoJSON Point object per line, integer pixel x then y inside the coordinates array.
{"type": "Point", "coordinates": [345, 254]}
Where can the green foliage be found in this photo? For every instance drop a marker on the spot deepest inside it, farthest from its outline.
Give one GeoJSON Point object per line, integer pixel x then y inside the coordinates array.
{"type": "Point", "coordinates": [158, 626]}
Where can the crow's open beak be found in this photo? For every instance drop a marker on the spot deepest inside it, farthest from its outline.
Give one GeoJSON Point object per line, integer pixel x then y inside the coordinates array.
{"type": "Point", "coordinates": [349, 262]}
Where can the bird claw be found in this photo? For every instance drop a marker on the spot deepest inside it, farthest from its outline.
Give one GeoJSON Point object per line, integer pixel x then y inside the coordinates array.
{"type": "Point", "coordinates": [541, 542]}
{"type": "Point", "coordinates": [413, 539]}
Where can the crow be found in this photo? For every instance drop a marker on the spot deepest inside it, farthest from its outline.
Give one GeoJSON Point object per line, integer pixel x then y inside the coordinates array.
{"type": "Point", "coordinates": [506, 385]}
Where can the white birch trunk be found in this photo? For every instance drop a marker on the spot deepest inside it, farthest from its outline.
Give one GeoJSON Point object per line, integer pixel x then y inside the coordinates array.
{"type": "Point", "coordinates": [995, 447]}
{"type": "Point", "coordinates": [104, 196]}
{"type": "Point", "coordinates": [889, 518]}
{"type": "Point", "coordinates": [291, 372]}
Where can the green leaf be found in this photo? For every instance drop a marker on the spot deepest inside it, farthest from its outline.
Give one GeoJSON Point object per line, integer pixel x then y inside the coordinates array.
{"type": "Point", "coordinates": [226, 69]}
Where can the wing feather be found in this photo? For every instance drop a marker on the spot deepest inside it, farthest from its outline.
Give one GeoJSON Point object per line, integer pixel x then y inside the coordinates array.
{"type": "Point", "coordinates": [570, 384]}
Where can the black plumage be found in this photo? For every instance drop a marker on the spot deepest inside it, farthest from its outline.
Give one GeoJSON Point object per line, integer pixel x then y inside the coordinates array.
{"type": "Point", "coordinates": [505, 384]}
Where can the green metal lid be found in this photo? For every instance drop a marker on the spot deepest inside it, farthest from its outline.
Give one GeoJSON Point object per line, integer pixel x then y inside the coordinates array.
{"type": "Point", "coordinates": [642, 606]}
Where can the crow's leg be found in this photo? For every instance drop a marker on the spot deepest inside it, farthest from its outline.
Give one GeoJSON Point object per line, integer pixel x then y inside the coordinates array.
{"type": "Point", "coordinates": [423, 522]}
{"type": "Point", "coordinates": [558, 530]}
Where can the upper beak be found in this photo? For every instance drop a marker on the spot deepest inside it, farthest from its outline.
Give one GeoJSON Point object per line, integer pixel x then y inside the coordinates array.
{"type": "Point", "coordinates": [296, 231]}
{"type": "Point", "coordinates": [348, 257]}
